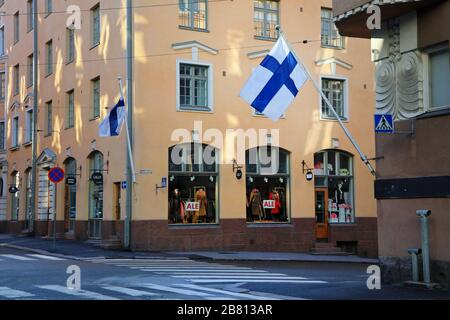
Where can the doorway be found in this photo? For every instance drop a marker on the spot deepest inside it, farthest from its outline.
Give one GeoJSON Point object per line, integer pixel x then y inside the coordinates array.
{"type": "Point", "coordinates": [321, 205]}
{"type": "Point", "coordinates": [117, 192]}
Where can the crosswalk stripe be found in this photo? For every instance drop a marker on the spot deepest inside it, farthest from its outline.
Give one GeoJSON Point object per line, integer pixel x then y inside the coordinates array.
{"type": "Point", "coordinates": [130, 292]}
{"type": "Point", "coordinates": [239, 277]}
{"type": "Point", "coordinates": [78, 293]}
{"type": "Point", "coordinates": [41, 256]}
{"type": "Point", "coordinates": [221, 298]}
{"type": "Point", "coordinates": [137, 260]}
{"type": "Point", "coordinates": [175, 290]}
{"type": "Point", "coordinates": [14, 294]}
{"type": "Point", "coordinates": [194, 268]}
{"type": "Point", "coordinates": [208, 271]}
{"type": "Point", "coordinates": [15, 257]}
{"type": "Point", "coordinates": [256, 281]}
{"type": "Point", "coordinates": [229, 293]}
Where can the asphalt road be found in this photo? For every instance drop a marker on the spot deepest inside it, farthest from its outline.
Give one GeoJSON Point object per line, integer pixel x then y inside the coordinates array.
{"type": "Point", "coordinates": [26, 276]}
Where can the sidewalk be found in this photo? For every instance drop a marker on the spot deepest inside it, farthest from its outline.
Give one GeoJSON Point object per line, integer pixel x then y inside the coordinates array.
{"type": "Point", "coordinates": [81, 251]}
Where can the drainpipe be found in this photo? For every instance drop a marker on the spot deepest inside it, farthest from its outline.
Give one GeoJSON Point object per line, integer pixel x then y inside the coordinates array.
{"type": "Point", "coordinates": [35, 119]}
{"type": "Point", "coordinates": [424, 214]}
{"type": "Point", "coordinates": [129, 201]}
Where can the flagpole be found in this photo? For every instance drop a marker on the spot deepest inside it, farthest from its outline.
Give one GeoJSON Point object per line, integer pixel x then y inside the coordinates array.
{"type": "Point", "coordinates": [330, 106]}
{"type": "Point", "coordinates": [130, 152]}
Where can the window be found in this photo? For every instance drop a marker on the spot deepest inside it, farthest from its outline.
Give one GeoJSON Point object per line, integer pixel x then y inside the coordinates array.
{"type": "Point", "coordinates": [333, 170]}
{"type": "Point", "coordinates": [267, 185]}
{"type": "Point", "coordinates": [16, 27]}
{"type": "Point", "coordinates": [95, 188]}
{"type": "Point", "coordinates": [16, 80]}
{"type": "Point", "coordinates": [2, 41]}
{"type": "Point", "coordinates": [30, 65]}
{"type": "Point", "coordinates": [29, 126]}
{"type": "Point", "coordinates": [70, 195]}
{"type": "Point", "coordinates": [193, 14]}
{"type": "Point", "coordinates": [49, 120]}
{"type": "Point", "coordinates": [70, 116]}
{"type": "Point", "coordinates": [49, 62]}
{"type": "Point", "coordinates": [193, 184]}
{"type": "Point", "coordinates": [30, 15]}
{"type": "Point", "coordinates": [194, 88]}
{"type": "Point", "coordinates": [15, 132]}
{"type": "Point", "coordinates": [335, 90]}
{"type": "Point", "coordinates": [95, 97]}
{"type": "Point", "coordinates": [439, 79]}
{"type": "Point", "coordinates": [330, 34]}
{"type": "Point", "coordinates": [266, 18]}
{"type": "Point", "coordinates": [48, 7]}
{"type": "Point", "coordinates": [28, 194]}
{"type": "Point", "coordinates": [2, 135]}
{"type": "Point", "coordinates": [70, 56]}
{"type": "Point", "coordinates": [15, 197]}
{"type": "Point", "coordinates": [95, 18]}
{"type": "Point", "coordinates": [2, 85]}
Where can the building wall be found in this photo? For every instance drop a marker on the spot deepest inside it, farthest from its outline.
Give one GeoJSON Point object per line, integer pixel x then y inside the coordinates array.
{"type": "Point", "coordinates": [156, 117]}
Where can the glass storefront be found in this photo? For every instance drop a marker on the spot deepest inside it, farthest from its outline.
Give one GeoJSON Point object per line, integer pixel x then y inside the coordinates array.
{"type": "Point", "coordinates": [70, 196]}
{"type": "Point", "coordinates": [193, 184]}
{"type": "Point", "coordinates": [333, 170]}
{"type": "Point", "coordinates": [95, 196]}
{"type": "Point", "coordinates": [267, 185]}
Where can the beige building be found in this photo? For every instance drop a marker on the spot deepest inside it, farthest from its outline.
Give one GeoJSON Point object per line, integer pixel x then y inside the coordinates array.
{"type": "Point", "coordinates": [190, 62]}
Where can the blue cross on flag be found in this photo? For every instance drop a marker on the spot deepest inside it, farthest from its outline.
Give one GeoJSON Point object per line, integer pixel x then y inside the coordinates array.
{"type": "Point", "coordinates": [276, 82]}
{"type": "Point", "coordinates": [112, 124]}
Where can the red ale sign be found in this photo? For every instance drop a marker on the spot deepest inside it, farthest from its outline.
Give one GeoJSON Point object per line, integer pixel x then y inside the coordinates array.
{"type": "Point", "coordinates": [192, 206]}
{"type": "Point", "coordinates": [269, 204]}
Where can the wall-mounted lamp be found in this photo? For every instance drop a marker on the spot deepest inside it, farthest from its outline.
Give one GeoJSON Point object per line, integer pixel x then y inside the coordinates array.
{"type": "Point", "coordinates": [192, 178]}
{"type": "Point", "coordinates": [163, 184]}
{"type": "Point", "coordinates": [237, 169]}
{"type": "Point", "coordinates": [308, 171]}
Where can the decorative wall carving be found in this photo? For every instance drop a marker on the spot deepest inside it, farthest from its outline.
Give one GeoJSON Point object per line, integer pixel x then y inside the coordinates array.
{"type": "Point", "coordinates": [399, 79]}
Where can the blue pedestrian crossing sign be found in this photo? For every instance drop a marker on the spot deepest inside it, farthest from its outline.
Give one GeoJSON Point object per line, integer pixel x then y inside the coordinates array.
{"type": "Point", "coordinates": [384, 123]}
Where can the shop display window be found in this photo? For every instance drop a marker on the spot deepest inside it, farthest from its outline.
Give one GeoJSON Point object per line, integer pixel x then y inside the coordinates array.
{"type": "Point", "coordinates": [193, 185]}
{"type": "Point", "coordinates": [267, 194]}
{"type": "Point", "coordinates": [334, 170]}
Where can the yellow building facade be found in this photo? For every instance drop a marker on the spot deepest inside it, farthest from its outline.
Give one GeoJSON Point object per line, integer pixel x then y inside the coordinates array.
{"type": "Point", "coordinates": [191, 59]}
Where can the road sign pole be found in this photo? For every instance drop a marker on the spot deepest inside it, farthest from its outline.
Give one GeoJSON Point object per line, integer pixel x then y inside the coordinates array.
{"type": "Point", "coordinates": [55, 210]}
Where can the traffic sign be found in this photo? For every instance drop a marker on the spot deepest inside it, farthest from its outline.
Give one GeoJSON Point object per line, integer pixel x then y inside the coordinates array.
{"type": "Point", "coordinates": [56, 175]}
{"type": "Point", "coordinates": [124, 185]}
{"type": "Point", "coordinates": [384, 123]}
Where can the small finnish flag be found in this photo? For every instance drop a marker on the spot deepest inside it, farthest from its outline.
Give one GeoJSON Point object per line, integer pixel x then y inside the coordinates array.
{"type": "Point", "coordinates": [112, 124]}
{"type": "Point", "coordinates": [276, 82]}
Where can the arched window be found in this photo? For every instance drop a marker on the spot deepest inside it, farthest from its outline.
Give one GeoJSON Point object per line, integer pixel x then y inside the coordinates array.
{"type": "Point", "coordinates": [267, 185]}
{"type": "Point", "coordinates": [70, 196]}
{"type": "Point", "coordinates": [333, 170]}
{"type": "Point", "coordinates": [95, 194]}
{"type": "Point", "coordinates": [193, 184]}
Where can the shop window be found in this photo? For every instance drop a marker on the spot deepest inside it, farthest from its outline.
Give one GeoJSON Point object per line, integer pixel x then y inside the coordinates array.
{"type": "Point", "coordinates": [70, 196]}
{"type": "Point", "coordinates": [15, 197]}
{"type": "Point", "coordinates": [267, 185]}
{"type": "Point", "coordinates": [96, 188]}
{"type": "Point", "coordinates": [334, 170]}
{"type": "Point", "coordinates": [193, 184]}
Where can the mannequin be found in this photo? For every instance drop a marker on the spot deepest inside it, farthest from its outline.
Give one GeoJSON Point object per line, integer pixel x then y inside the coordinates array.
{"type": "Point", "coordinates": [200, 197]}
{"type": "Point", "coordinates": [176, 208]}
{"type": "Point", "coordinates": [274, 195]}
{"type": "Point", "coordinates": [255, 203]}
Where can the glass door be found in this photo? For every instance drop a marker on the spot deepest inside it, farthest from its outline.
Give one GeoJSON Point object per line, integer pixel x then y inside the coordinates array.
{"type": "Point", "coordinates": [321, 204]}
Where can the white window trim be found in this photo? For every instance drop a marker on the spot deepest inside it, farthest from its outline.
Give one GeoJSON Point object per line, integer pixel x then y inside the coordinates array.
{"type": "Point", "coordinates": [426, 77]}
{"type": "Point", "coordinates": [210, 85]}
{"type": "Point", "coordinates": [346, 97]}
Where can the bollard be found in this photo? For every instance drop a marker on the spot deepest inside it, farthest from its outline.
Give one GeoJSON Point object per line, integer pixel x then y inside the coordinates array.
{"type": "Point", "coordinates": [415, 263]}
{"type": "Point", "coordinates": [424, 214]}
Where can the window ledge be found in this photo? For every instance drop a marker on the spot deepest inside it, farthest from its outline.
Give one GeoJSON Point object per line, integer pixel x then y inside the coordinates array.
{"type": "Point", "coordinates": [346, 224]}
{"type": "Point", "coordinates": [269, 225]}
{"type": "Point", "coordinates": [332, 47]}
{"type": "Point", "coordinates": [194, 226]}
{"type": "Point", "coordinates": [346, 120]}
{"type": "Point", "coordinates": [193, 29]}
{"type": "Point", "coordinates": [27, 144]}
{"type": "Point", "coordinates": [94, 46]}
{"type": "Point", "coordinates": [266, 38]}
{"type": "Point", "coordinates": [14, 148]}
{"type": "Point", "coordinates": [206, 111]}
{"type": "Point", "coordinates": [94, 118]}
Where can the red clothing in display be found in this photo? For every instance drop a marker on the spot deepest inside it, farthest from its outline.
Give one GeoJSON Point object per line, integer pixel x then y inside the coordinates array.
{"type": "Point", "coordinates": [275, 196]}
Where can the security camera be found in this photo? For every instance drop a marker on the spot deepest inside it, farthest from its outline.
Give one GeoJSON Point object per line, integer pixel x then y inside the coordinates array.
{"type": "Point", "coordinates": [423, 213]}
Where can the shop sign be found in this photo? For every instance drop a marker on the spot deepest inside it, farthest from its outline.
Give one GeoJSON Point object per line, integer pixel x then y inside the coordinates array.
{"type": "Point", "coordinates": [97, 178]}
{"type": "Point", "coordinates": [192, 206]}
{"type": "Point", "coordinates": [13, 189]}
{"type": "Point", "coordinates": [71, 181]}
{"type": "Point", "coordinates": [269, 204]}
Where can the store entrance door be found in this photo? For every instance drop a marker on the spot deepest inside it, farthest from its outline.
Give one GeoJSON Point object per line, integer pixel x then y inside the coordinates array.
{"type": "Point", "coordinates": [117, 206]}
{"type": "Point", "coordinates": [321, 201]}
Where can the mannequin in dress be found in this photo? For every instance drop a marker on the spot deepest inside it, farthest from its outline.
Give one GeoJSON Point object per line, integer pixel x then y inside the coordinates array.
{"type": "Point", "coordinates": [176, 207]}
{"type": "Point", "coordinates": [200, 197]}
{"type": "Point", "coordinates": [255, 203]}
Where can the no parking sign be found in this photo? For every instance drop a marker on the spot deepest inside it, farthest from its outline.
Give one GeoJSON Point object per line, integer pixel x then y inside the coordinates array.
{"type": "Point", "coordinates": [56, 175]}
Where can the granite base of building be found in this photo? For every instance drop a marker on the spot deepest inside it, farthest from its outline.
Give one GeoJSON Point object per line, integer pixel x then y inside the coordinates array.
{"type": "Point", "coordinates": [399, 269]}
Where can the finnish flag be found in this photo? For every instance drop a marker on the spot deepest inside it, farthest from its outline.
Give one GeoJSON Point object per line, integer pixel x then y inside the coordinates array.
{"type": "Point", "coordinates": [112, 124]}
{"type": "Point", "coordinates": [276, 82]}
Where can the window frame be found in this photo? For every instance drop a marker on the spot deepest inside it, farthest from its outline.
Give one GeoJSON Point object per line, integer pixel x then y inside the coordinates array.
{"type": "Point", "coordinates": [49, 118]}
{"type": "Point", "coordinates": [427, 96]}
{"type": "Point", "coordinates": [265, 11]}
{"type": "Point", "coordinates": [210, 90]}
{"type": "Point", "coordinates": [70, 45]}
{"type": "Point", "coordinates": [2, 135]}
{"type": "Point", "coordinates": [15, 126]}
{"type": "Point", "coordinates": [16, 27]}
{"type": "Point", "coordinates": [340, 39]}
{"type": "Point", "coordinates": [95, 13]}
{"type": "Point", "coordinates": [16, 80]}
{"type": "Point", "coordinates": [28, 127]}
{"type": "Point", "coordinates": [70, 115]}
{"type": "Point", "coordinates": [30, 70]}
{"type": "Point", "coordinates": [345, 99]}
{"type": "Point", "coordinates": [49, 57]}
{"type": "Point", "coordinates": [192, 18]}
{"type": "Point", "coordinates": [96, 110]}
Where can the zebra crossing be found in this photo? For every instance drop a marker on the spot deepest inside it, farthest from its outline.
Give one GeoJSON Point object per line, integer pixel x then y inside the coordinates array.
{"type": "Point", "coordinates": [148, 291]}
{"type": "Point", "coordinates": [198, 272]}
{"type": "Point", "coordinates": [29, 257]}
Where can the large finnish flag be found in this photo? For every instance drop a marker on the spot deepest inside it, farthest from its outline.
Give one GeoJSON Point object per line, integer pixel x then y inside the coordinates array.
{"type": "Point", "coordinates": [112, 124]}
{"type": "Point", "coordinates": [276, 82]}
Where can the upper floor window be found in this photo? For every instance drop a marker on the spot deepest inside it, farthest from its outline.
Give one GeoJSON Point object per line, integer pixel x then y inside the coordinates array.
{"type": "Point", "coordinates": [2, 85]}
{"type": "Point", "coordinates": [29, 126]}
{"type": "Point", "coordinates": [336, 92]}
{"type": "Point", "coordinates": [266, 18]}
{"type": "Point", "coordinates": [95, 97]}
{"type": "Point", "coordinates": [330, 33]}
{"type": "Point", "coordinates": [15, 132]}
{"type": "Point", "coordinates": [95, 19]}
{"type": "Point", "coordinates": [2, 41]}
{"type": "Point", "coordinates": [194, 90]}
{"type": "Point", "coordinates": [30, 15]}
{"type": "Point", "coordinates": [70, 116]}
{"type": "Point", "coordinates": [70, 50]}
{"type": "Point", "coordinates": [49, 120]}
{"type": "Point", "coordinates": [2, 137]}
{"type": "Point", "coordinates": [48, 7]}
{"type": "Point", "coordinates": [16, 80]}
{"type": "Point", "coordinates": [30, 68]}
{"type": "Point", "coordinates": [193, 14]}
{"type": "Point", "coordinates": [49, 52]}
{"type": "Point", "coordinates": [439, 79]}
{"type": "Point", "coordinates": [16, 27]}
